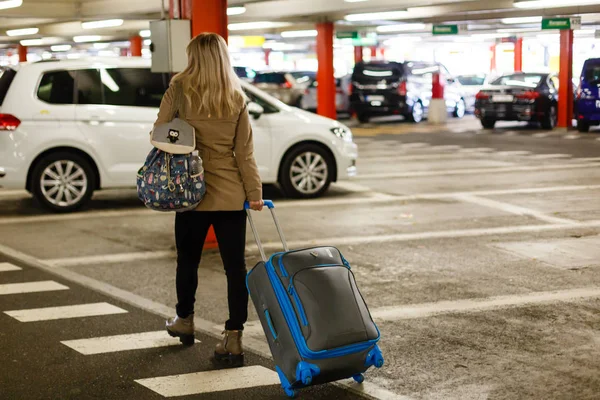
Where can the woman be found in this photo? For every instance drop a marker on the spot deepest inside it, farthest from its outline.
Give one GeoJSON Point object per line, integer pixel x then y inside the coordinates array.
{"type": "Point", "coordinates": [215, 106]}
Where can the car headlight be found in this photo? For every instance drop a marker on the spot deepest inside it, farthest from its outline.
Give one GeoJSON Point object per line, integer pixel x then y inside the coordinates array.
{"type": "Point", "coordinates": [342, 133]}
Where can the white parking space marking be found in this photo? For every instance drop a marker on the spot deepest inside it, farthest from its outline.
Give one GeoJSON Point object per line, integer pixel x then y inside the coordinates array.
{"type": "Point", "coordinates": [426, 310]}
{"type": "Point", "coordinates": [211, 381]}
{"type": "Point", "coordinates": [573, 136]}
{"type": "Point", "coordinates": [110, 258]}
{"type": "Point", "coordinates": [513, 209]}
{"type": "Point", "coordinates": [64, 312]}
{"type": "Point", "coordinates": [475, 171]}
{"type": "Point", "coordinates": [111, 344]}
{"type": "Point", "coordinates": [513, 153]}
{"type": "Point", "coordinates": [510, 133]}
{"type": "Point", "coordinates": [352, 187]}
{"type": "Point", "coordinates": [477, 150]}
{"type": "Point", "coordinates": [549, 156]}
{"type": "Point", "coordinates": [415, 145]}
{"type": "Point", "coordinates": [419, 157]}
{"type": "Point", "coordinates": [540, 135]}
{"type": "Point", "coordinates": [445, 147]}
{"type": "Point", "coordinates": [31, 287]}
{"type": "Point", "coordinates": [5, 267]}
{"type": "Point", "coordinates": [132, 212]}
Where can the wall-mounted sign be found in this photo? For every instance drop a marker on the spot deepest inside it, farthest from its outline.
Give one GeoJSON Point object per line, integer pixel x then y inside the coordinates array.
{"type": "Point", "coordinates": [562, 23]}
{"type": "Point", "coordinates": [347, 35]}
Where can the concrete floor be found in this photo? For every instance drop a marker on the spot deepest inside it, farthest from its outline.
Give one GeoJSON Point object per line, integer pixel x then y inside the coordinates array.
{"type": "Point", "coordinates": [476, 251]}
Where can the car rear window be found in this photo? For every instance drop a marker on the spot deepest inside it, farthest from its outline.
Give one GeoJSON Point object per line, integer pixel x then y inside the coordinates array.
{"type": "Point", "coordinates": [270, 77]}
{"type": "Point", "coordinates": [6, 77]}
{"type": "Point", "coordinates": [471, 80]}
{"type": "Point", "coordinates": [377, 72]}
{"type": "Point", "coordinates": [591, 73]}
{"type": "Point", "coordinates": [524, 80]}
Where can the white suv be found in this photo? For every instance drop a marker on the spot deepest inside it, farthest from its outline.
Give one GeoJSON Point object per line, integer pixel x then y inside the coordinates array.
{"type": "Point", "coordinates": [68, 128]}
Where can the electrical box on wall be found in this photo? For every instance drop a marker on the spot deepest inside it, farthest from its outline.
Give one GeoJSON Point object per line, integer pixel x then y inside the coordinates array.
{"type": "Point", "coordinates": [169, 40]}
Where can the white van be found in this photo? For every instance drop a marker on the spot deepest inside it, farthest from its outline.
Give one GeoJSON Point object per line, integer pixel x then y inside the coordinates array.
{"type": "Point", "coordinates": [68, 128]}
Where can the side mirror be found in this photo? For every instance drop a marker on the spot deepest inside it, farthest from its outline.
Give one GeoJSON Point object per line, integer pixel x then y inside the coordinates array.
{"type": "Point", "coordinates": [255, 109]}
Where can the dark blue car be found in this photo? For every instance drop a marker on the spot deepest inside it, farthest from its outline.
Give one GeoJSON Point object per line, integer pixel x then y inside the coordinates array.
{"type": "Point", "coordinates": [588, 96]}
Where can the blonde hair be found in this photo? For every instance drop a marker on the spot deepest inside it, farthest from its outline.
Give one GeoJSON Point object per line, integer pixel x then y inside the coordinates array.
{"type": "Point", "coordinates": [209, 81]}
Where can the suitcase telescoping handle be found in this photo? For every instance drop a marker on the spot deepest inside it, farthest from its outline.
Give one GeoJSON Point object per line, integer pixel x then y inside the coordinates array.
{"type": "Point", "coordinates": [269, 204]}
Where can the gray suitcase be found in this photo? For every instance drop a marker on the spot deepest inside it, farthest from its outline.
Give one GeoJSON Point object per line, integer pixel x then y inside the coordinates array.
{"type": "Point", "coordinates": [316, 321]}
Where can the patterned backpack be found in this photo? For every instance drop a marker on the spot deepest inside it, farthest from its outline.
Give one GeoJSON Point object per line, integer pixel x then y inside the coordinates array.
{"type": "Point", "coordinates": [172, 178]}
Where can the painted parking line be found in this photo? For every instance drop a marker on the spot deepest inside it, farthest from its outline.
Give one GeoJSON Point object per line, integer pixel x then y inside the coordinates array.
{"type": "Point", "coordinates": [549, 156]}
{"type": "Point", "coordinates": [477, 150]}
{"type": "Point", "coordinates": [426, 310]}
{"type": "Point", "coordinates": [111, 258]}
{"type": "Point", "coordinates": [572, 136]}
{"type": "Point", "coordinates": [111, 344]}
{"type": "Point", "coordinates": [5, 267]}
{"type": "Point", "coordinates": [513, 153]}
{"type": "Point", "coordinates": [211, 381]}
{"type": "Point", "coordinates": [476, 171]}
{"type": "Point", "coordinates": [31, 287]}
{"type": "Point", "coordinates": [64, 312]}
{"type": "Point", "coordinates": [540, 135]}
{"type": "Point", "coordinates": [415, 145]}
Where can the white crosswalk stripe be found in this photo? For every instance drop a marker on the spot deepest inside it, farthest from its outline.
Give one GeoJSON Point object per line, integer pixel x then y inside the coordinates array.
{"type": "Point", "coordinates": [211, 381]}
{"type": "Point", "coordinates": [549, 156]}
{"type": "Point", "coordinates": [31, 287]}
{"type": "Point", "coordinates": [5, 267]}
{"type": "Point", "coordinates": [111, 344]}
{"type": "Point", "coordinates": [64, 312]}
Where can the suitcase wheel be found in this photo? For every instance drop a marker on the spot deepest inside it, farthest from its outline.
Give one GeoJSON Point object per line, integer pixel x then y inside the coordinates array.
{"type": "Point", "coordinates": [359, 378]}
{"type": "Point", "coordinates": [291, 393]}
{"type": "Point", "coordinates": [374, 358]}
{"type": "Point", "coordinates": [285, 384]}
{"type": "Point", "coordinates": [306, 371]}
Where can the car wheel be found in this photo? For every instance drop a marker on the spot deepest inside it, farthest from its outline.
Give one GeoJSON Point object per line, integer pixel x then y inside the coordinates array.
{"type": "Point", "coordinates": [363, 118]}
{"type": "Point", "coordinates": [306, 171]}
{"type": "Point", "coordinates": [583, 126]}
{"type": "Point", "coordinates": [63, 182]}
{"type": "Point", "coordinates": [460, 109]}
{"type": "Point", "coordinates": [488, 123]}
{"type": "Point", "coordinates": [550, 119]}
{"type": "Point", "coordinates": [416, 112]}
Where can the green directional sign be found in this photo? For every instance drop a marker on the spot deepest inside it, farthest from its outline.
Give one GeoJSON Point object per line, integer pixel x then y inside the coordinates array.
{"type": "Point", "coordinates": [347, 35]}
{"type": "Point", "coordinates": [561, 23]}
{"type": "Point", "coordinates": [445, 30]}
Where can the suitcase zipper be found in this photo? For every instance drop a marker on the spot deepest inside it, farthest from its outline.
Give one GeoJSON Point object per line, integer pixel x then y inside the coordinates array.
{"type": "Point", "coordinates": [293, 293]}
{"type": "Point", "coordinates": [292, 322]}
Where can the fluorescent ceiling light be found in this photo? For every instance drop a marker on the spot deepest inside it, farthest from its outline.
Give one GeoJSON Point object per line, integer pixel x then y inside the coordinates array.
{"type": "Point", "coordinates": [553, 3]}
{"type": "Point", "coordinates": [109, 23]}
{"type": "Point", "coordinates": [31, 42]}
{"type": "Point", "coordinates": [517, 30]}
{"type": "Point", "coordinates": [489, 36]}
{"type": "Point", "coordinates": [354, 1]}
{"type": "Point", "coordinates": [521, 20]}
{"type": "Point", "coordinates": [584, 32]}
{"type": "Point", "coordinates": [377, 16]}
{"type": "Point", "coordinates": [297, 34]}
{"type": "Point", "coordinates": [86, 38]}
{"type": "Point", "coordinates": [236, 10]}
{"type": "Point", "coordinates": [145, 33]}
{"type": "Point", "coordinates": [22, 32]}
{"type": "Point", "coordinates": [10, 4]}
{"type": "Point", "coordinates": [551, 36]}
{"type": "Point", "coordinates": [246, 26]}
{"type": "Point", "coordinates": [100, 46]}
{"type": "Point", "coordinates": [61, 47]}
{"type": "Point", "coordinates": [401, 28]}
{"type": "Point", "coordinates": [147, 42]}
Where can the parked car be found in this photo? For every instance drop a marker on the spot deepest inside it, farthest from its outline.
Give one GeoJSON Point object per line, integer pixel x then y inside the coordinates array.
{"type": "Point", "coordinates": [342, 95]}
{"type": "Point", "coordinates": [472, 84]}
{"type": "Point", "coordinates": [68, 128]}
{"type": "Point", "coordinates": [245, 73]}
{"type": "Point", "coordinates": [392, 88]}
{"type": "Point", "coordinates": [588, 96]}
{"type": "Point", "coordinates": [286, 86]}
{"type": "Point", "coordinates": [520, 96]}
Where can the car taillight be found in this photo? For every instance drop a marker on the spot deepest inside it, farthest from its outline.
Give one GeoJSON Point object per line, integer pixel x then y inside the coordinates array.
{"type": "Point", "coordinates": [482, 96]}
{"type": "Point", "coordinates": [579, 91]}
{"type": "Point", "coordinates": [286, 85]}
{"type": "Point", "coordinates": [402, 91]}
{"type": "Point", "coordinates": [9, 122]}
{"type": "Point", "coordinates": [350, 88]}
{"type": "Point", "coordinates": [529, 95]}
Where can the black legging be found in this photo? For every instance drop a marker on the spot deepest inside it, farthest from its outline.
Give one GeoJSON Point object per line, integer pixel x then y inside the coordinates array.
{"type": "Point", "coordinates": [190, 232]}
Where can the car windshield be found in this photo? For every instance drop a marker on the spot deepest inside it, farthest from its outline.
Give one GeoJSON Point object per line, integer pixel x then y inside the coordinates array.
{"type": "Point", "coordinates": [523, 80]}
{"type": "Point", "coordinates": [268, 102]}
{"type": "Point", "coordinates": [270, 77]}
{"type": "Point", "coordinates": [591, 74]}
{"type": "Point", "coordinates": [303, 77]}
{"type": "Point", "coordinates": [471, 80]}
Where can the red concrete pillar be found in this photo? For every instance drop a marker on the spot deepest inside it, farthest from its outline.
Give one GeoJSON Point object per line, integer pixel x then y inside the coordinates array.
{"type": "Point", "coordinates": [519, 55]}
{"type": "Point", "coordinates": [437, 90]}
{"type": "Point", "coordinates": [358, 54]}
{"type": "Point", "coordinates": [382, 53]}
{"type": "Point", "coordinates": [22, 53]}
{"type": "Point", "coordinates": [565, 80]}
{"type": "Point", "coordinates": [373, 52]}
{"type": "Point", "coordinates": [326, 87]}
{"type": "Point", "coordinates": [267, 55]}
{"type": "Point", "coordinates": [135, 46]}
{"type": "Point", "coordinates": [493, 58]}
{"type": "Point", "coordinates": [206, 15]}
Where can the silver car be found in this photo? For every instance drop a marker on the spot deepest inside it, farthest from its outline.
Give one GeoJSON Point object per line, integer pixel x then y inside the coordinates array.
{"type": "Point", "coordinates": [342, 95]}
{"type": "Point", "coordinates": [288, 87]}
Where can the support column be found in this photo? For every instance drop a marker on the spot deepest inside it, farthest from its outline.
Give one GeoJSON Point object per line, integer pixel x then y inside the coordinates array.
{"type": "Point", "coordinates": [267, 55]}
{"type": "Point", "coordinates": [326, 87]}
{"type": "Point", "coordinates": [206, 15]}
{"type": "Point", "coordinates": [382, 53]}
{"type": "Point", "coordinates": [565, 79]}
{"type": "Point", "coordinates": [22, 53]}
{"type": "Point", "coordinates": [135, 46]}
{"type": "Point", "coordinates": [493, 58]}
{"type": "Point", "coordinates": [358, 54]}
{"type": "Point", "coordinates": [373, 52]}
{"type": "Point", "coordinates": [519, 55]}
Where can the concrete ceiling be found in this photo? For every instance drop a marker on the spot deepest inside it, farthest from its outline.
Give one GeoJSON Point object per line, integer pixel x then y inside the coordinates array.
{"type": "Point", "coordinates": [61, 19]}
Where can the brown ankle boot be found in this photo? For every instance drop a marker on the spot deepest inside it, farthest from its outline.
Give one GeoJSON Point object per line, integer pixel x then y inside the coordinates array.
{"type": "Point", "coordinates": [229, 350]}
{"type": "Point", "coordinates": [183, 328]}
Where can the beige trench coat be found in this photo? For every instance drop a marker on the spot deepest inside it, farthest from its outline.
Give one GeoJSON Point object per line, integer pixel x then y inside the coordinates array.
{"type": "Point", "coordinates": [227, 151]}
